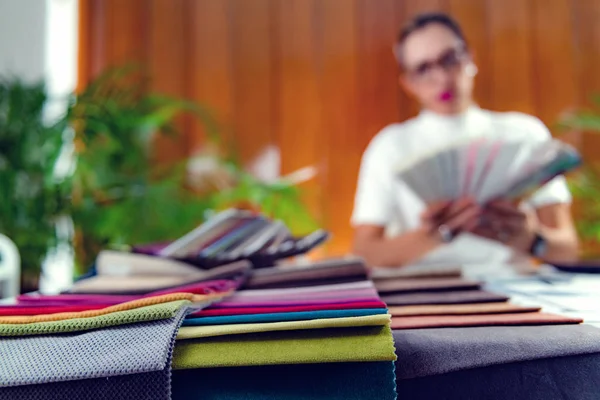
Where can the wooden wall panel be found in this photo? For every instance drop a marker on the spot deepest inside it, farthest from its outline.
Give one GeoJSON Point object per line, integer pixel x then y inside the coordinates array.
{"type": "Point", "coordinates": [210, 64]}
{"type": "Point", "coordinates": [554, 58]}
{"type": "Point", "coordinates": [472, 16]}
{"type": "Point", "coordinates": [299, 134]}
{"type": "Point", "coordinates": [252, 69]}
{"type": "Point", "coordinates": [511, 58]}
{"type": "Point", "coordinates": [126, 31]}
{"type": "Point", "coordinates": [317, 78]}
{"type": "Point", "coordinates": [168, 67]}
{"type": "Point", "coordinates": [342, 143]}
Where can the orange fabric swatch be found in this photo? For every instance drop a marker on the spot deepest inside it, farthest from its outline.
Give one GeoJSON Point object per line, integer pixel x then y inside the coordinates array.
{"type": "Point", "coordinates": [448, 321]}
{"type": "Point", "coordinates": [459, 309]}
{"type": "Point", "coordinates": [147, 301]}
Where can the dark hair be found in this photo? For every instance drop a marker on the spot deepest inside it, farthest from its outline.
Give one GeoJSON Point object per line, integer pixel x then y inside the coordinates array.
{"type": "Point", "coordinates": [420, 21]}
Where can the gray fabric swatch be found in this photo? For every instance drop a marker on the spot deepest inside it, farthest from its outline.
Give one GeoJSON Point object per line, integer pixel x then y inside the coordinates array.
{"type": "Point", "coordinates": [426, 352]}
{"type": "Point", "coordinates": [147, 385]}
{"type": "Point", "coordinates": [120, 350]}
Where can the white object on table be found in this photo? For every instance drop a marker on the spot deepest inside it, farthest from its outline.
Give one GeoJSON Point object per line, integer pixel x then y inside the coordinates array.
{"type": "Point", "coordinates": [10, 268]}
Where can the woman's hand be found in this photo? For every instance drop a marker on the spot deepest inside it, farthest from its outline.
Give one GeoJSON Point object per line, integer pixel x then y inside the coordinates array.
{"type": "Point", "coordinates": [449, 218]}
{"type": "Point", "coordinates": [504, 222]}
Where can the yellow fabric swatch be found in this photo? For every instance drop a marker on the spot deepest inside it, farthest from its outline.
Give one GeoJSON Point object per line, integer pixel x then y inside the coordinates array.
{"type": "Point", "coordinates": [130, 305]}
{"type": "Point", "coordinates": [194, 332]}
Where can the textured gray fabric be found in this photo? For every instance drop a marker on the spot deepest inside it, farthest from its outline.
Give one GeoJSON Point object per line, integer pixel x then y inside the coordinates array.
{"type": "Point", "coordinates": [426, 352]}
{"type": "Point", "coordinates": [564, 378]}
{"type": "Point", "coordinates": [119, 350]}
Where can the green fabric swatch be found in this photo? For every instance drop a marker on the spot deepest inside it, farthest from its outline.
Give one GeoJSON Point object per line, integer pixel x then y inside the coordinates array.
{"type": "Point", "coordinates": [292, 347]}
{"type": "Point", "coordinates": [142, 314]}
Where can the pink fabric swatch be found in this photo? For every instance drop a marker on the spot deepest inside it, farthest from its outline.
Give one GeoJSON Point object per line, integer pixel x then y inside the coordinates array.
{"type": "Point", "coordinates": [35, 309]}
{"type": "Point", "coordinates": [284, 303]}
{"type": "Point", "coordinates": [342, 294]}
{"type": "Point", "coordinates": [268, 310]}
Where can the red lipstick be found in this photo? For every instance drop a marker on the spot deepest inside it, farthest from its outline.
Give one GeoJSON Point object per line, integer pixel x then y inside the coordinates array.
{"type": "Point", "coordinates": [446, 96]}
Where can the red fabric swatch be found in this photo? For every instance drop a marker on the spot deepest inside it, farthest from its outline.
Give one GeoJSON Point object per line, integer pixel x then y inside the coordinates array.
{"type": "Point", "coordinates": [35, 309]}
{"type": "Point", "coordinates": [267, 310]}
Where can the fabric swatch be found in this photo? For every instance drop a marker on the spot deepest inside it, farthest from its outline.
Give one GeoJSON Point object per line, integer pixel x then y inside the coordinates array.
{"type": "Point", "coordinates": [210, 311]}
{"type": "Point", "coordinates": [456, 297]}
{"type": "Point", "coordinates": [339, 381]}
{"type": "Point", "coordinates": [194, 332]}
{"type": "Point", "coordinates": [291, 347]}
{"type": "Point", "coordinates": [285, 316]}
{"type": "Point", "coordinates": [140, 284]}
{"type": "Point", "coordinates": [118, 350]}
{"type": "Point", "coordinates": [444, 321]}
{"type": "Point", "coordinates": [364, 284]}
{"type": "Point", "coordinates": [424, 285]}
{"type": "Point", "coordinates": [416, 272]}
{"type": "Point", "coordinates": [304, 275]}
{"type": "Point", "coordinates": [35, 309]}
{"type": "Point", "coordinates": [284, 303]}
{"type": "Point", "coordinates": [334, 295]}
{"type": "Point", "coordinates": [460, 309]}
{"type": "Point", "coordinates": [144, 385]}
{"type": "Point", "coordinates": [94, 299]}
{"type": "Point", "coordinates": [148, 313]}
{"type": "Point", "coordinates": [96, 313]}
{"type": "Point", "coordinates": [426, 352]}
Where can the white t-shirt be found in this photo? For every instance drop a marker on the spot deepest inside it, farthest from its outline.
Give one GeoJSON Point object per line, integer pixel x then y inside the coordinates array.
{"type": "Point", "coordinates": [381, 199]}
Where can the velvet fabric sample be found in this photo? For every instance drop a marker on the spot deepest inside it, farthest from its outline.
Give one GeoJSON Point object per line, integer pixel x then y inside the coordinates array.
{"type": "Point", "coordinates": [145, 385]}
{"type": "Point", "coordinates": [459, 309]}
{"type": "Point", "coordinates": [119, 350]}
{"type": "Point", "coordinates": [148, 313]}
{"type": "Point", "coordinates": [284, 303]}
{"type": "Point", "coordinates": [149, 301]}
{"type": "Point", "coordinates": [333, 295]}
{"type": "Point", "coordinates": [566, 378]}
{"type": "Point", "coordinates": [416, 272]}
{"type": "Point", "coordinates": [425, 352]}
{"type": "Point", "coordinates": [194, 332]}
{"type": "Point", "coordinates": [307, 275]}
{"type": "Point", "coordinates": [213, 289]}
{"type": "Point", "coordinates": [140, 284]}
{"type": "Point", "coordinates": [285, 316]}
{"type": "Point", "coordinates": [424, 285]}
{"type": "Point", "coordinates": [211, 311]}
{"type": "Point", "coordinates": [292, 347]}
{"type": "Point", "coordinates": [364, 284]}
{"type": "Point", "coordinates": [443, 321]}
{"type": "Point", "coordinates": [455, 297]}
{"type": "Point", "coordinates": [35, 309]}
{"type": "Point", "coordinates": [339, 381]}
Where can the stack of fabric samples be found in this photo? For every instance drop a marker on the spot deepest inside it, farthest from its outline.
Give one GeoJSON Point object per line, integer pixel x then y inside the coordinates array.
{"type": "Point", "coordinates": [316, 331]}
{"type": "Point", "coordinates": [108, 352]}
{"type": "Point", "coordinates": [107, 338]}
{"type": "Point", "coordinates": [233, 235]}
{"type": "Point", "coordinates": [445, 299]}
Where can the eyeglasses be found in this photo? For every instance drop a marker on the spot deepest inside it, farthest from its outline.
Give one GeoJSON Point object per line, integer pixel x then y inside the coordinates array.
{"type": "Point", "coordinates": [450, 61]}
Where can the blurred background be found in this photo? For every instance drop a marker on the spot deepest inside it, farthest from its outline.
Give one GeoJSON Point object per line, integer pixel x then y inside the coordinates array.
{"type": "Point", "coordinates": [129, 121]}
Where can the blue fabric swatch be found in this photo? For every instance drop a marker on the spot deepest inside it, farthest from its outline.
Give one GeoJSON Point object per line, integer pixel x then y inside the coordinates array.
{"type": "Point", "coordinates": [278, 317]}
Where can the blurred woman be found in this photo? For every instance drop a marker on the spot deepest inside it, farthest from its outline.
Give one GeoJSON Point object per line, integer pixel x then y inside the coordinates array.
{"type": "Point", "coordinates": [393, 227]}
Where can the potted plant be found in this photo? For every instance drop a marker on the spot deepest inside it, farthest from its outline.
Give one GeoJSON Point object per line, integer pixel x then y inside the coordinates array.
{"type": "Point", "coordinates": [122, 197]}
{"type": "Point", "coordinates": [32, 197]}
{"type": "Point", "coordinates": [585, 185]}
